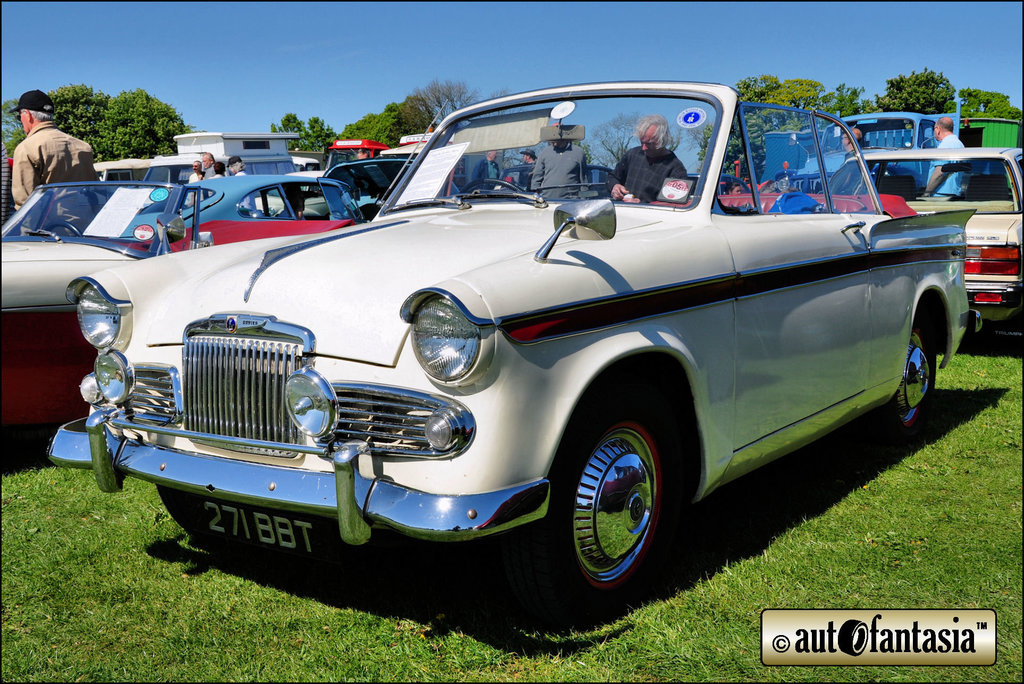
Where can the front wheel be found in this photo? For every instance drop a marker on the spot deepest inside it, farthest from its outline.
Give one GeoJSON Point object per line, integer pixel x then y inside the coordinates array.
{"type": "Point", "coordinates": [615, 500]}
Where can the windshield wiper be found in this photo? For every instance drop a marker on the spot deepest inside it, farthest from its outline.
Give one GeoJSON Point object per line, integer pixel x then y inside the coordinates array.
{"type": "Point", "coordinates": [458, 202]}
{"type": "Point", "coordinates": [39, 232]}
{"type": "Point", "coordinates": [538, 201]}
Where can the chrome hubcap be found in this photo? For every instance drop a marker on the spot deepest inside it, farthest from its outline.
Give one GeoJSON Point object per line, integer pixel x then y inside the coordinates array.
{"type": "Point", "coordinates": [614, 506]}
{"type": "Point", "coordinates": [917, 380]}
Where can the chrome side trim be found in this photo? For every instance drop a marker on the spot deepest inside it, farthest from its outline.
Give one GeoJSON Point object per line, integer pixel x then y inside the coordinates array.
{"type": "Point", "coordinates": [363, 503]}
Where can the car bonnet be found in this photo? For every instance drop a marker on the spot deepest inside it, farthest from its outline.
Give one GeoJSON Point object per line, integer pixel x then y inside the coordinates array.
{"type": "Point", "coordinates": [347, 289]}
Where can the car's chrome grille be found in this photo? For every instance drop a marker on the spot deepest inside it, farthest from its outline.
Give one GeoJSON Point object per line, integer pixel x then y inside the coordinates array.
{"type": "Point", "coordinates": [391, 420]}
{"type": "Point", "coordinates": [156, 396]}
{"type": "Point", "coordinates": [234, 387]}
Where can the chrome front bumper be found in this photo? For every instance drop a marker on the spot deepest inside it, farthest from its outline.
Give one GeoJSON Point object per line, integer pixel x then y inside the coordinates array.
{"type": "Point", "coordinates": [358, 503]}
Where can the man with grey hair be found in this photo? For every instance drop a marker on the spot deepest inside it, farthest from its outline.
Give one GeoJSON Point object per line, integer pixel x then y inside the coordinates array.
{"type": "Point", "coordinates": [641, 173]}
{"type": "Point", "coordinates": [943, 183]}
{"type": "Point", "coordinates": [46, 155]}
{"type": "Point", "coordinates": [208, 170]}
{"type": "Point", "coordinates": [236, 166]}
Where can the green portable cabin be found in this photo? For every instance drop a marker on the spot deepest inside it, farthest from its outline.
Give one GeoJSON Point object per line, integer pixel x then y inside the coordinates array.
{"type": "Point", "coordinates": [978, 132]}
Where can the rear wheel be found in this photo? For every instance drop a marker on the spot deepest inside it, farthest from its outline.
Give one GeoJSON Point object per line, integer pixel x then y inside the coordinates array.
{"type": "Point", "coordinates": [904, 417]}
{"type": "Point", "coordinates": [615, 500]}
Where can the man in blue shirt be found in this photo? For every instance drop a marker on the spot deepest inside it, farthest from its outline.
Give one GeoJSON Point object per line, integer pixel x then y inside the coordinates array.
{"type": "Point", "coordinates": [939, 182]}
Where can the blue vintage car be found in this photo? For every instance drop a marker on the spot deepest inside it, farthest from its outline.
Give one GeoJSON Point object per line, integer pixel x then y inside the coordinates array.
{"type": "Point", "coordinates": [249, 207]}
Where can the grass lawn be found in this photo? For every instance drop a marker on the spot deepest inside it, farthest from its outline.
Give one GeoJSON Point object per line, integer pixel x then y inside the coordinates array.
{"type": "Point", "coordinates": [101, 587]}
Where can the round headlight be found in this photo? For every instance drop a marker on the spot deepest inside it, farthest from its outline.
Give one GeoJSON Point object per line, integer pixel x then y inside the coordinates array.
{"type": "Point", "coordinates": [90, 389]}
{"type": "Point", "coordinates": [114, 376]}
{"type": "Point", "coordinates": [448, 428]}
{"type": "Point", "coordinates": [98, 317]}
{"type": "Point", "coordinates": [447, 343]}
{"type": "Point", "coordinates": [311, 402]}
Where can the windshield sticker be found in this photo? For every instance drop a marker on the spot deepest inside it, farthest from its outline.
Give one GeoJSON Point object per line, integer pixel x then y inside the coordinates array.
{"type": "Point", "coordinates": [675, 190]}
{"type": "Point", "coordinates": [692, 117]}
{"type": "Point", "coordinates": [434, 170]}
{"type": "Point", "coordinates": [118, 212]}
{"type": "Point", "coordinates": [144, 232]}
{"type": "Point", "coordinates": [158, 195]}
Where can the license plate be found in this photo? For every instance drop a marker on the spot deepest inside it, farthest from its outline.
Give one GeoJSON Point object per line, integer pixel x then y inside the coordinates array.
{"type": "Point", "coordinates": [298, 534]}
{"type": "Point", "coordinates": [257, 527]}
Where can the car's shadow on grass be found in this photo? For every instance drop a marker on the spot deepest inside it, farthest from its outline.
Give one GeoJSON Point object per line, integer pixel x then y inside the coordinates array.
{"type": "Point", "coordinates": [995, 340]}
{"type": "Point", "coordinates": [24, 448]}
{"type": "Point", "coordinates": [461, 587]}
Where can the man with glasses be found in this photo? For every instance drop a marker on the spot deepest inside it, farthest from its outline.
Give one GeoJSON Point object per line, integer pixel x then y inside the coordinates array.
{"type": "Point", "coordinates": [47, 154]}
{"type": "Point", "coordinates": [642, 172]}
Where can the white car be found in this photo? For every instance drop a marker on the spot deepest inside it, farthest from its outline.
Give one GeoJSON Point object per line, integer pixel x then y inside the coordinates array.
{"type": "Point", "coordinates": [988, 180]}
{"type": "Point", "coordinates": [483, 359]}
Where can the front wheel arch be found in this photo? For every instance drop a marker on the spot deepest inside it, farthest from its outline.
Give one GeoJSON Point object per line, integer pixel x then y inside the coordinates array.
{"type": "Point", "coordinates": [626, 430]}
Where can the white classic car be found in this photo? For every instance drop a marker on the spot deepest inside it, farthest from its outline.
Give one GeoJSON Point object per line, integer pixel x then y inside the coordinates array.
{"type": "Point", "coordinates": [482, 358]}
{"type": "Point", "coordinates": [986, 179]}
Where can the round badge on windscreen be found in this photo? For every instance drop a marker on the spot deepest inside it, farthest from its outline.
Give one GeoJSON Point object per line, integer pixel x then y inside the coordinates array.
{"type": "Point", "coordinates": [158, 195]}
{"type": "Point", "coordinates": [675, 190]}
{"type": "Point", "coordinates": [144, 232]}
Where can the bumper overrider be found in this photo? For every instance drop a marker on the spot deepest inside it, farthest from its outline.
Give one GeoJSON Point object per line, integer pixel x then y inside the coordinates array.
{"type": "Point", "coordinates": [358, 503]}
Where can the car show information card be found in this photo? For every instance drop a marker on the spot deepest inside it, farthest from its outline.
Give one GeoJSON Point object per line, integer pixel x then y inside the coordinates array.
{"type": "Point", "coordinates": [118, 212]}
{"type": "Point", "coordinates": [435, 169]}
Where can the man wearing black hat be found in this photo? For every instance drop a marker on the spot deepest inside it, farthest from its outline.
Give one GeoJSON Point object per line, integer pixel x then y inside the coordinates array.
{"type": "Point", "coordinates": [46, 155]}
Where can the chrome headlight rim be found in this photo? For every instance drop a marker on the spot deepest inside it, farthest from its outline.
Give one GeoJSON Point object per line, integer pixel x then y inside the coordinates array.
{"type": "Point", "coordinates": [476, 360]}
{"type": "Point", "coordinates": [89, 289]}
{"type": "Point", "coordinates": [115, 377]}
{"type": "Point", "coordinates": [311, 403]}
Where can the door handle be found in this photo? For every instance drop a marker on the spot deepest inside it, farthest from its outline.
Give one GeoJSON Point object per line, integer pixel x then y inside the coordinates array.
{"type": "Point", "coordinates": [855, 227]}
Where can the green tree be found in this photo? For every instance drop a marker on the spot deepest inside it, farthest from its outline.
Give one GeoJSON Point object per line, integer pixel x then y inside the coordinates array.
{"type": "Point", "coordinates": [317, 135]}
{"type": "Point", "coordinates": [984, 103]}
{"type": "Point", "coordinates": [386, 127]}
{"type": "Point", "coordinates": [139, 125]}
{"type": "Point", "coordinates": [13, 133]}
{"type": "Point", "coordinates": [290, 123]}
{"type": "Point", "coordinates": [793, 92]}
{"type": "Point", "coordinates": [763, 88]}
{"type": "Point", "coordinates": [927, 92]}
{"type": "Point", "coordinates": [79, 111]}
{"type": "Point", "coordinates": [846, 101]}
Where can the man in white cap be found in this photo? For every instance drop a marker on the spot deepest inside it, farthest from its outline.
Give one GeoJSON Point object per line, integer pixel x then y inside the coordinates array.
{"type": "Point", "coordinates": [46, 155]}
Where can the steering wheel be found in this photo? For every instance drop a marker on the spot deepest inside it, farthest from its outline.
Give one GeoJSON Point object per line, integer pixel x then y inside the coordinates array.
{"type": "Point", "coordinates": [473, 185]}
{"type": "Point", "coordinates": [63, 228]}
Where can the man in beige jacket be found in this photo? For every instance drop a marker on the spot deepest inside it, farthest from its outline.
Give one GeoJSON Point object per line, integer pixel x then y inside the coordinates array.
{"type": "Point", "coordinates": [46, 155]}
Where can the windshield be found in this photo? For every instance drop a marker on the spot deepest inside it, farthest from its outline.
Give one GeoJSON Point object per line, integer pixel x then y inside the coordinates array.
{"type": "Point", "coordinates": [938, 184]}
{"type": "Point", "coordinates": [645, 150]}
{"type": "Point", "coordinates": [102, 210]}
{"type": "Point", "coordinates": [896, 132]}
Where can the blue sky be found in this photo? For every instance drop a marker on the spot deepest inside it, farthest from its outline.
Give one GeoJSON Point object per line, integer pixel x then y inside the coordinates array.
{"type": "Point", "coordinates": [240, 66]}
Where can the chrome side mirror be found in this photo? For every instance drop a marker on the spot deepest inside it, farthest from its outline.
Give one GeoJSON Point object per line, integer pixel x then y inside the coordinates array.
{"type": "Point", "coordinates": [596, 218]}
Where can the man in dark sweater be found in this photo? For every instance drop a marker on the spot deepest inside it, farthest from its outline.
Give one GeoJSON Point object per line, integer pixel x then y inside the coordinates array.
{"type": "Point", "coordinates": [641, 173]}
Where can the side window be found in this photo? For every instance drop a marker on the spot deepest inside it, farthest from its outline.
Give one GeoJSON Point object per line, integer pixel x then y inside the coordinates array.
{"type": "Point", "coordinates": [784, 163]}
{"type": "Point", "coordinates": [926, 134]}
{"type": "Point", "coordinates": [264, 203]}
{"type": "Point", "coordinates": [848, 193]}
{"type": "Point", "coordinates": [734, 193]}
{"type": "Point", "coordinates": [308, 201]}
{"type": "Point", "coordinates": [340, 202]}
